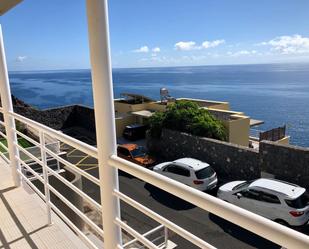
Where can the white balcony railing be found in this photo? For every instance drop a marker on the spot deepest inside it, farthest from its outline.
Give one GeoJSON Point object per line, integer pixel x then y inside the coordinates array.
{"type": "Point", "coordinates": [108, 163]}
{"type": "Point", "coordinates": [272, 231]}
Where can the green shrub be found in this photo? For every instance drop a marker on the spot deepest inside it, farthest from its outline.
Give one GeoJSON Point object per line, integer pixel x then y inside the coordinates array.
{"type": "Point", "coordinates": [188, 117]}
{"type": "Point", "coordinates": [156, 124]}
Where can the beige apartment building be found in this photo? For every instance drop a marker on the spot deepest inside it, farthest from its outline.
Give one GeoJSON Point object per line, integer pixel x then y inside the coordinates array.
{"type": "Point", "coordinates": [134, 108]}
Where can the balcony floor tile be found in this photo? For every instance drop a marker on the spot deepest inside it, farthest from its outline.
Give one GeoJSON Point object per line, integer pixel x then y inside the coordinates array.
{"type": "Point", "coordinates": [23, 219]}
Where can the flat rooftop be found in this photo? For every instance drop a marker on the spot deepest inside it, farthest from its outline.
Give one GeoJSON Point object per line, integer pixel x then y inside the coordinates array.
{"type": "Point", "coordinates": [23, 219]}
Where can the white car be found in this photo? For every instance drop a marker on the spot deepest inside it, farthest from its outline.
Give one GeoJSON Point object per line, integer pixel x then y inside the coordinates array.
{"type": "Point", "coordinates": [280, 201]}
{"type": "Point", "coordinates": [189, 171]}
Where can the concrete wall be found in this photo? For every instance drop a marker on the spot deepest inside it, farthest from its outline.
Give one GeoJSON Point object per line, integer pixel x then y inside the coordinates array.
{"type": "Point", "coordinates": [156, 106]}
{"type": "Point", "coordinates": [237, 125]}
{"type": "Point", "coordinates": [234, 162]}
{"type": "Point", "coordinates": [284, 141]}
{"type": "Point", "coordinates": [286, 162]}
{"type": "Point", "coordinates": [229, 161]}
{"type": "Point", "coordinates": [122, 122]}
{"type": "Point", "coordinates": [239, 130]}
{"type": "Point", "coordinates": [121, 107]}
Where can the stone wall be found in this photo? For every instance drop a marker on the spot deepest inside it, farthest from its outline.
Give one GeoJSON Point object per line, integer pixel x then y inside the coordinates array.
{"type": "Point", "coordinates": [230, 161]}
{"type": "Point", "coordinates": [286, 162]}
{"type": "Point", "coordinates": [54, 118]}
{"type": "Point", "coordinates": [84, 116]}
{"type": "Point", "coordinates": [61, 117]}
{"type": "Point", "coordinates": [234, 162]}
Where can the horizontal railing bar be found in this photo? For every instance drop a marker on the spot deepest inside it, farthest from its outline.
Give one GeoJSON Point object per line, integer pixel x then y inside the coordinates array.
{"type": "Point", "coordinates": [28, 138]}
{"type": "Point", "coordinates": [73, 227]}
{"type": "Point", "coordinates": [1, 109]}
{"type": "Point", "coordinates": [5, 158]}
{"type": "Point", "coordinates": [172, 226]}
{"type": "Point", "coordinates": [33, 187]}
{"type": "Point", "coordinates": [73, 167]}
{"type": "Point", "coordinates": [135, 234]}
{"type": "Point", "coordinates": [70, 185]}
{"type": "Point", "coordinates": [153, 230]}
{"type": "Point", "coordinates": [76, 189]}
{"type": "Point", "coordinates": [34, 178]}
{"type": "Point", "coordinates": [2, 123]}
{"type": "Point", "coordinates": [77, 211]}
{"type": "Point", "coordinates": [158, 238]}
{"type": "Point", "coordinates": [259, 225]}
{"type": "Point", "coordinates": [145, 235]}
{"type": "Point", "coordinates": [37, 176]}
{"type": "Point", "coordinates": [55, 156]}
{"type": "Point", "coordinates": [4, 147]}
{"type": "Point", "coordinates": [86, 148]}
{"type": "Point", "coordinates": [2, 134]}
{"type": "Point", "coordinates": [29, 154]}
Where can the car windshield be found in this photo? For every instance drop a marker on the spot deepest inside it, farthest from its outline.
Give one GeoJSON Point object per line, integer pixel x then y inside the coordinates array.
{"type": "Point", "coordinates": [204, 173]}
{"type": "Point", "coordinates": [242, 185]}
{"type": "Point", "coordinates": [138, 152]}
{"type": "Point", "coordinates": [301, 202]}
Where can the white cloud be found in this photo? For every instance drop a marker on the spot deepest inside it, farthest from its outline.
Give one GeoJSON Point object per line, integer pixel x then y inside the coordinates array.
{"type": "Point", "coordinates": [212, 44]}
{"type": "Point", "coordinates": [143, 49]}
{"type": "Point", "coordinates": [185, 46]}
{"type": "Point", "coordinates": [21, 58]}
{"type": "Point", "coordinates": [191, 45]}
{"type": "Point", "coordinates": [295, 44]}
{"type": "Point", "coordinates": [242, 53]}
{"type": "Point", "coordinates": [156, 50]}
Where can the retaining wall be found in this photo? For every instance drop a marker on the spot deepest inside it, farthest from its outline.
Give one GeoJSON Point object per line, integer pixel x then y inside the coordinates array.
{"type": "Point", "coordinates": [61, 117]}
{"type": "Point", "coordinates": [230, 161]}
{"type": "Point", "coordinates": [286, 162]}
{"type": "Point", "coordinates": [234, 162]}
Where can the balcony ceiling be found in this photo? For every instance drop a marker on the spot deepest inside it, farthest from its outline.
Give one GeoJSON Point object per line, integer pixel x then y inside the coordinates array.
{"type": "Point", "coordinates": [6, 5]}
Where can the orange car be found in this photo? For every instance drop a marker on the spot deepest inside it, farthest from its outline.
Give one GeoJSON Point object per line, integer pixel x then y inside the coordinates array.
{"type": "Point", "coordinates": [136, 154]}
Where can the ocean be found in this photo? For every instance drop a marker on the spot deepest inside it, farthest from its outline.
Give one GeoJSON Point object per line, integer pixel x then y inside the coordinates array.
{"type": "Point", "coordinates": [275, 93]}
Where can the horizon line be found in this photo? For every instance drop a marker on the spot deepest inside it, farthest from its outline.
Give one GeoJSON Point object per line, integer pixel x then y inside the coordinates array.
{"type": "Point", "coordinates": [145, 67]}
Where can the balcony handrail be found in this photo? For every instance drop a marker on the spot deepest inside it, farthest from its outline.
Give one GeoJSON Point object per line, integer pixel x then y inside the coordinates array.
{"type": "Point", "coordinates": [86, 148]}
{"type": "Point", "coordinates": [145, 235]}
{"type": "Point", "coordinates": [248, 220]}
{"type": "Point", "coordinates": [39, 160]}
{"type": "Point", "coordinates": [167, 223]}
{"type": "Point", "coordinates": [255, 223]}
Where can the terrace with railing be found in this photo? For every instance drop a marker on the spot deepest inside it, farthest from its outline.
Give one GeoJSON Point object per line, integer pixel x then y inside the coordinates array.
{"type": "Point", "coordinates": [277, 135]}
{"type": "Point", "coordinates": [59, 218]}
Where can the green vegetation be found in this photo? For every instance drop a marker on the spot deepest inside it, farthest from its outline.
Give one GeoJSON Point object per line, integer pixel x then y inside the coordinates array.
{"type": "Point", "coordinates": [187, 116]}
{"type": "Point", "coordinates": [21, 141]}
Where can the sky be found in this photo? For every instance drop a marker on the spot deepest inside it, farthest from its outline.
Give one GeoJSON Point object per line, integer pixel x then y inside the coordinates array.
{"type": "Point", "coordinates": [43, 35]}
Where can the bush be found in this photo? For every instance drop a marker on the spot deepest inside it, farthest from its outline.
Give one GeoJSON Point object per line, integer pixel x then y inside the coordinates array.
{"type": "Point", "coordinates": [187, 116]}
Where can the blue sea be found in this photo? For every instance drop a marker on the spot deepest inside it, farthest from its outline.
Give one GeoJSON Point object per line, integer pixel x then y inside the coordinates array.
{"type": "Point", "coordinates": [275, 93]}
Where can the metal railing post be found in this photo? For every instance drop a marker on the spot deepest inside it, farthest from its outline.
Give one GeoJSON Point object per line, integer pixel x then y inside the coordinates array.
{"type": "Point", "coordinates": [45, 177]}
{"type": "Point", "coordinates": [165, 236]}
{"type": "Point", "coordinates": [98, 29]}
{"type": "Point", "coordinates": [6, 100]}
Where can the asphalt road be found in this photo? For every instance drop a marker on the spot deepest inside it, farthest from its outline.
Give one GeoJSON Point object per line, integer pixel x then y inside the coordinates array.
{"type": "Point", "coordinates": [213, 229]}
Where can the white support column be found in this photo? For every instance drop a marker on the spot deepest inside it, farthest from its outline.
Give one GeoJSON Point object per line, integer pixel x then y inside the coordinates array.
{"type": "Point", "coordinates": [6, 100]}
{"type": "Point", "coordinates": [98, 28]}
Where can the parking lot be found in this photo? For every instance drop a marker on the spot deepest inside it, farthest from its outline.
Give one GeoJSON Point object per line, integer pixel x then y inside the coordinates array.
{"type": "Point", "coordinates": [207, 226]}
